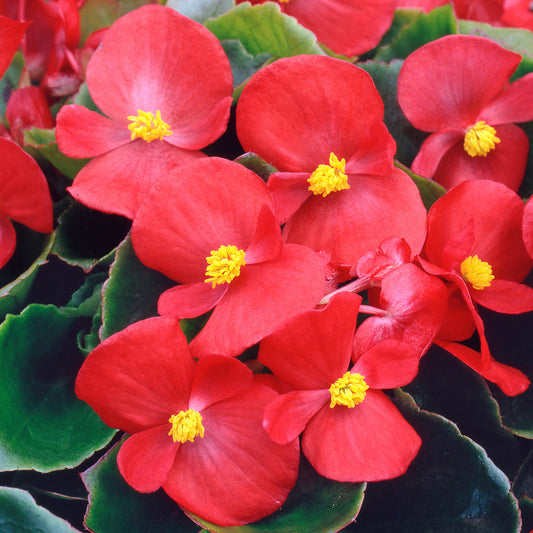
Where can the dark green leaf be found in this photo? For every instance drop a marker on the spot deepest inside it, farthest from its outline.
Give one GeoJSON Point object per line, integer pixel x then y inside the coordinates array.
{"type": "Point", "coordinates": [253, 162]}
{"type": "Point", "coordinates": [430, 191]}
{"type": "Point", "coordinates": [451, 486]}
{"type": "Point", "coordinates": [132, 291]}
{"type": "Point", "coordinates": [421, 30]}
{"type": "Point", "coordinates": [243, 64]}
{"type": "Point", "coordinates": [11, 80]}
{"type": "Point", "coordinates": [201, 10]}
{"type": "Point", "coordinates": [116, 508]}
{"type": "Point", "coordinates": [43, 425]}
{"type": "Point", "coordinates": [20, 514]}
{"type": "Point", "coordinates": [315, 504]}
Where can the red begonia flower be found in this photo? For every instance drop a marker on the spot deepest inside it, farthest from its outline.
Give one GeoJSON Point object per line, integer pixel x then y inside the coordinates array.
{"type": "Point", "coordinates": [527, 226]}
{"type": "Point", "coordinates": [196, 427]}
{"type": "Point", "coordinates": [318, 120]}
{"type": "Point", "coordinates": [481, 10]}
{"type": "Point", "coordinates": [11, 33]}
{"type": "Point", "coordinates": [351, 430]}
{"type": "Point", "coordinates": [165, 84]}
{"type": "Point", "coordinates": [209, 225]}
{"type": "Point", "coordinates": [333, 21]}
{"type": "Point", "coordinates": [24, 196]}
{"type": "Point", "coordinates": [517, 13]}
{"type": "Point", "coordinates": [469, 104]}
{"type": "Point", "coordinates": [415, 304]}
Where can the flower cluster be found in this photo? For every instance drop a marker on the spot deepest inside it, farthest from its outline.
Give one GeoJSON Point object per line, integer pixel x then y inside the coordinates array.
{"type": "Point", "coordinates": [267, 312]}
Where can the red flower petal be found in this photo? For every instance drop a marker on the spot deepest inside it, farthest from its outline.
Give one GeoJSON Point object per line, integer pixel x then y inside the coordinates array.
{"type": "Point", "coordinates": [260, 300]}
{"type": "Point", "coordinates": [145, 459]}
{"type": "Point", "coordinates": [458, 324]}
{"type": "Point", "coordinates": [195, 209]}
{"type": "Point", "coordinates": [190, 300]}
{"type": "Point", "coordinates": [11, 32]}
{"type": "Point", "coordinates": [267, 242]}
{"type": "Point", "coordinates": [505, 297]}
{"type": "Point", "coordinates": [217, 378]}
{"type": "Point", "coordinates": [120, 381]}
{"type": "Point", "coordinates": [416, 305]}
{"type": "Point", "coordinates": [369, 442]}
{"type": "Point", "coordinates": [8, 240]}
{"type": "Point", "coordinates": [304, 353]}
{"type": "Point", "coordinates": [527, 226]}
{"type": "Point", "coordinates": [118, 181]}
{"type": "Point", "coordinates": [24, 194]}
{"type": "Point", "coordinates": [308, 107]}
{"type": "Point", "coordinates": [436, 94]}
{"type": "Point", "coordinates": [509, 379]}
{"type": "Point", "coordinates": [505, 164]}
{"type": "Point", "coordinates": [388, 364]}
{"type": "Point", "coordinates": [189, 79]}
{"type": "Point", "coordinates": [289, 192]}
{"type": "Point", "coordinates": [286, 416]}
{"type": "Point", "coordinates": [236, 457]}
{"type": "Point", "coordinates": [84, 133]}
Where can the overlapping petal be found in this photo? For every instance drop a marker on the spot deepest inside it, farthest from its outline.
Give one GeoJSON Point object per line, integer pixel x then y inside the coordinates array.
{"type": "Point", "coordinates": [11, 32]}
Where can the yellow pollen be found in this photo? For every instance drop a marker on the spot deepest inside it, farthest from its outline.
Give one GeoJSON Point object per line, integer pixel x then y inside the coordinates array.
{"type": "Point", "coordinates": [329, 178]}
{"type": "Point", "coordinates": [224, 265]}
{"type": "Point", "coordinates": [476, 272]}
{"type": "Point", "coordinates": [480, 139]}
{"type": "Point", "coordinates": [148, 127]}
{"type": "Point", "coordinates": [349, 390]}
{"type": "Point", "coordinates": [284, 1]}
{"type": "Point", "coordinates": [186, 425]}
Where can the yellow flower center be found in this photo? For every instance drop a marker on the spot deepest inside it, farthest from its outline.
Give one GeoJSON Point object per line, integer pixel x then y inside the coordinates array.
{"type": "Point", "coordinates": [186, 425]}
{"type": "Point", "coordinates": [284, 1]}
{"type": "Point", "coordinates": [148, 127]}
{"type": "Point", "coordinates": [476, 272]}
{"type": "Point", "coordinates": [329, 178]}
{"type": "Point", "coordinates": [348, 390]}
{"type": "Point", "coordinates": [224, 265]}
{"type": "Point", "coordinates": [480, 139]}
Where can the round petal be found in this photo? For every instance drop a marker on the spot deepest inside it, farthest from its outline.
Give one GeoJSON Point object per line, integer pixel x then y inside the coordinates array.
{"type": "Point", "coordinates": [304, 353]}
{"type": "Point", "coordinates": [436, 94]}
{"type": "Point", "coordinates": [236, 473]}
{"type": "Point", "coordinates": [193, 210]}
{"type": "Point", "coordinates": [260, 300]}
{"type": "Point", "coordinates": [145, 459]}
{"type": "Point", "coordinates": [24, 194]}
{"type": "Point", "coordinates": [308, 107]}
{"type": "Point", "coordinates": [137, 378]}
{"type": "Point", "coordinates": [118, 181]}
{"type": "Point", "coordinates": [352, 222]}
{"type": "Point", "coordinates": [188, 79]}
{"type": "Point", "coordinates": [11, 32]}
{"type": "Point", "coordinates": [190, 300]}
{"type": "Point", "coordinates": [494, 214]}
{"type": "Point", "coordinates": [505, 297]}
{"type": "Point", "coordinates": [505, 164]}
{"type": "Point", "coordinates": [369, 442]}
{"type": "Point", "coordinates": [8, 240]}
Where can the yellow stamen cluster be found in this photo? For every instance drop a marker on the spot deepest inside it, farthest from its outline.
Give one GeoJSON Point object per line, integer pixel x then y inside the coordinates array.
{"type": "Point", "coordinates": [480, 139]}
{"type": "Point", "coordinates": [186, 425]}
{"type": "Point", "coordinates": [478, 273]}
{"type": "Point", "coordinates": [284, 1]}
{"type": "Point", "coordinates": [224, 265]}
{"type": "Point", "coordinates": [329, 178]}
{"type": "Point", "coordinates": [148, 127]}
{"type": "Point", "coordinates": [349, 390]}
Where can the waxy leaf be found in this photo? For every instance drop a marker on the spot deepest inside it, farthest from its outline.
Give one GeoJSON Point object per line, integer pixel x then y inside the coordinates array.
{"type": "Point", "coordinates": [243, 64]}
{"type": "Point", "coordinates": [263, 29]}
{"type": "Point", "coordinates": [131, 292]}
{"type": "Point", "coordinates": [451, 485]}
{"type": "Point", "coordinates": [20, 514]}
{"type": "Point", "coordinates": [201, 10]}
{"type": "Point", "coordinates": [253, 162]}
{"type": "Point", "coordinates": [430, 191]}
{"type": "Point", "coordinates": [16, 278]}
{"type": "Point", "coordinates": [315, 504]}
{"type": "Point", "coordinates": [44, 426]}
{"type": "Point", "coordinates": [425, 28]}
{"type": "Point", "coordinates": [114, 507]}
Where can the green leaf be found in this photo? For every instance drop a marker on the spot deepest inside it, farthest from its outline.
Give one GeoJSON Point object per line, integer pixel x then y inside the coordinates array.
{"type": "Point", "coordinates": [423, 29]}
{"type": "Point", "coordinates": [201, 10]}
{"type": "Point", "coordinates": [44, 141]}
{"type": "Point", "coordinates": [43, 425]}
{"type": "Point", "coordinates": [86, 238]}
{"type": "Point", "coordinates": [430, 191]}
{"type": "Point", "coordinates": [263, 29]}
{"type": "Point", "coordinates": [132, 291]}
{"type": "Point", "coordinates": [114, 507]}
{"type": "Point", "coordinates": [31, 252]}
{"type": "Point", "coordinates": [254, 163]}
{"type": "Point", "coordinates": [10, 80]}
{"type": "Point", "coordinates": [408, 139]}
{"type": "Point", "coordinates": [20, 514]}
{"type": "Point", "coordinates": [315, 504]}
{"type": "Point", "coordinates": [87, 300]}
{"type": "Point", "coordinates": [450, 486]}
{"type": "Point", "coordinates": [243, 64]}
